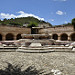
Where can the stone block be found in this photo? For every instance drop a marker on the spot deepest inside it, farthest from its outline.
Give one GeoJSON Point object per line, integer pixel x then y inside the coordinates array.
{"type": "Point", "coordinates": [35, 45]}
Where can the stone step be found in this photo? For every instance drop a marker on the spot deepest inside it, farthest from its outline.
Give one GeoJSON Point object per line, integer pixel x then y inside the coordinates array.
{"type": "Point", "coordinates": [34, 51]}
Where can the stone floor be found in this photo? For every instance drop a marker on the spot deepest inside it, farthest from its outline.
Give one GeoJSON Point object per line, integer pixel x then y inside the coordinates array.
{"type": "Point", "coordinates": [63, 61]}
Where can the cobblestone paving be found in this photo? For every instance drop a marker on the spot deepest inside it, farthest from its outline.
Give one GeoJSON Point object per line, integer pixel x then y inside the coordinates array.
{"type": "Point", "coordinates": [63, 61]}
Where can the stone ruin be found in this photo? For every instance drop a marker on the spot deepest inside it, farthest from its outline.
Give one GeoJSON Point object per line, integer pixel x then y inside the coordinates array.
{"type": "Point", "coordinates": [36, 40]}
{"type": "Point", "coordinates": [38, 43]}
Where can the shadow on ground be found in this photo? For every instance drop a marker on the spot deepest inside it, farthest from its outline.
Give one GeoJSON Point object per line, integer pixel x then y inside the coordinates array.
{"type": "Point", "coordinates": [16, 70]}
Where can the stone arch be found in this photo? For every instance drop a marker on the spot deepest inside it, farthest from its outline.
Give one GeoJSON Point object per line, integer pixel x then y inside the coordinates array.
{"type": "Point", "coordinates": [64, 37]}
{"type": "Point", "coordinates": [72, 37]}
{"type": "Point", "coordinates": [9, 36]}
{"type": "Point", "coordinates": [55, 36]}
{"type": "Point", "coordinates": [19, 36]}
{"type": "Point", "coordinates": [0, 37]}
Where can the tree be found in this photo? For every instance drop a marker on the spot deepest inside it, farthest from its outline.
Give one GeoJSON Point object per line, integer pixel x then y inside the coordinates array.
{"type": "Point", "coordinates": [73, 23]}
{"type": "Point", "coordinates": [32, 24]}
{"type": "Point", "coordinates": [15, 23]}
{"type": "Point", "coordinates": [4, 19]}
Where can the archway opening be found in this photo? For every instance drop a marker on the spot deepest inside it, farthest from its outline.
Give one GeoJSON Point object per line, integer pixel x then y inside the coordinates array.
{"type": "Point", "coordinates": [19, 36]}
{"type": "Point", "coordinates": [73, 37]}
{"type": "Point", "coordinates": [34, 30]}
{"type": "Point", "coordinates": [64, 37]}
{"type": "Point", "coordinates": [9, 36]}
{"type": "Point", "coordinates": [0, 37]}
{"type": "Point", "coordinates": [55, 37]}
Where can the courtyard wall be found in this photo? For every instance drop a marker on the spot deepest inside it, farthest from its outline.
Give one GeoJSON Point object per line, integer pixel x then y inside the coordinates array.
{"type": "Point", "coordinates": [62, 32]}
{"type": "Point", "coordinates": [12, 32]}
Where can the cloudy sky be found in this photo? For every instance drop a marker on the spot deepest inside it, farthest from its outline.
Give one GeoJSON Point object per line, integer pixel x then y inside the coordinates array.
{"type": "Point", "coordinates": [54, 11]}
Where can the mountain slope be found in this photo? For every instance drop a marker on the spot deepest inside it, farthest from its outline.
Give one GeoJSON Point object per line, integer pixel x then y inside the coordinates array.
{"type": "Point", "coordinates": [21, 21]}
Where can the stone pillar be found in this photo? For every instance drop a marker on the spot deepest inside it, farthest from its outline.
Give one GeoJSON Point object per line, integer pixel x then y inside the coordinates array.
{"type": "Point", "coordinates": [15, 37]}
{"type": "Point", "coordinates": [51, 37]}
{"type": "Point", "coordinates": [69, 38]}
{"type": "Point", "coordinates": [3, 38]}
{"type": "Point", "coordinates": [59, 38]}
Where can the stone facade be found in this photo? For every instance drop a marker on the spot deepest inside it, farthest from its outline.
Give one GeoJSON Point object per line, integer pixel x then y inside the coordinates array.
{"type": "Point", "coordinates": [64, 33]}
{"type": "Point", "coordinates": [12, 33]}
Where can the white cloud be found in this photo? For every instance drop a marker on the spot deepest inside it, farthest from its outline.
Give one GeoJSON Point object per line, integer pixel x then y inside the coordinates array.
{"type": "Point", "coordinates": [22, 14]}
{"type": "Point", "coordinates": [52, 20]}
{"type": "Point", "coordinates": [66, 22]}
{"type": "Point", "coordinates": [3, 15]}
{"type": "Point", "coordinates": [60, 12]}
{"type": "Point", "coordinates": [60, 0]}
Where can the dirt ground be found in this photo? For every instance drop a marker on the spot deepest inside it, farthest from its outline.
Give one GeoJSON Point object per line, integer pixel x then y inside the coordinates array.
{"type": "Point", "coordinates": [63, 61]}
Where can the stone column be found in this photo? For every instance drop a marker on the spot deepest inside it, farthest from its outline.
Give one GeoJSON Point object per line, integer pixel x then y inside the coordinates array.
{"type": "Point", "coordinates": [59, 38]}
{"type": "Point", "coordinates": [3, 38]}
{"type": "Point", "coordinates": [50, 35]}
{"type": "Point", "coordinates": [15, 37]}
{"type": "Point", "coordinates": [69, 38]}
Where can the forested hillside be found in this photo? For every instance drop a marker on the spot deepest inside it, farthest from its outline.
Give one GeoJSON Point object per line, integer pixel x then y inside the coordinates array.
{"type": "Point", "coordinates": [21, 21]}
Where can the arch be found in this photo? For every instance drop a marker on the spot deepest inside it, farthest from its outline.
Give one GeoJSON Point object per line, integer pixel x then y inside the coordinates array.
{"type": "Point", "coordinates": [73, 37]}
{"type": "Point", "coordinates": [64, 37]}
{"type": "Point", "coordinates": [0, 37]}
{"type": "Point", "coordinates": [9, 36]}
{"type": "Point", "coordinates": [55, 37]}
{"type": "Point", "coordinates": [19, 36]}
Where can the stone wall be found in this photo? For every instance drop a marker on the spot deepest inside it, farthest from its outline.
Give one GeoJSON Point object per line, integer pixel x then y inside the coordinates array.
{"type": "Point", "coordinates": [5, 30]}
{"type": "Point", "coordinates": [59, 31]}
{"type": "Point", "coordinates": [63, 33]}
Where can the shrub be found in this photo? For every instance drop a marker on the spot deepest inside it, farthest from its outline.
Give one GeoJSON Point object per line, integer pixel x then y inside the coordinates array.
{"type": "Point", "coordinates": [32, 24]}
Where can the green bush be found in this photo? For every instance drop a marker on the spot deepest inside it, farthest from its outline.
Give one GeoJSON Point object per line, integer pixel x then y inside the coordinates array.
{"type": "Point", "coordinates": [32, 24]}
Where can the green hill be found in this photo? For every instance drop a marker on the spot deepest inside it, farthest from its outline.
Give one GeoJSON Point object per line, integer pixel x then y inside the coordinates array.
{"type": "Point", "coordinates": [21, 21]}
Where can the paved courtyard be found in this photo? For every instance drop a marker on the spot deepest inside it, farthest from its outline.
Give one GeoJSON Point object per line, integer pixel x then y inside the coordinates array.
{"type": "Point", "coordinates": [63, 61]}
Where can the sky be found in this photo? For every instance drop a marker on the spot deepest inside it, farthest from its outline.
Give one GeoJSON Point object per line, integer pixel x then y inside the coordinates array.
{"type": "Point", "coordinates": [56, 12]}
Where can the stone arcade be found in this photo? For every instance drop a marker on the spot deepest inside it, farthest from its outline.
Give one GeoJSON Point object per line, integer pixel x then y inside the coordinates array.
{"type": "Point", "coordinates": [63, 33]}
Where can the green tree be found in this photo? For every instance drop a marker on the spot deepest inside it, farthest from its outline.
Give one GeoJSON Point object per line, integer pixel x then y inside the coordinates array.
{"type": "Point", "coordinates": [15, 23]}
{"type": "Point", "coordinates": [73, 23]}
{"type": "Point", "coordinates": [23, 20]}
{"type": "Point", "coordinates": [32, 24]}
{"type": "Point", "coordinates": [4, 19]}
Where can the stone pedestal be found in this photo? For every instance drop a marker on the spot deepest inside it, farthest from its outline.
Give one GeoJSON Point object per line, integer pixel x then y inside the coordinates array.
{"type": "Point", "coordinates": [35, 45]}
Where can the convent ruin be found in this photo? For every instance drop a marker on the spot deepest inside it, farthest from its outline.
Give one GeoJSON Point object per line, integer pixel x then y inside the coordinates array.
{"type": "Point", "coordinates": [63, 33]}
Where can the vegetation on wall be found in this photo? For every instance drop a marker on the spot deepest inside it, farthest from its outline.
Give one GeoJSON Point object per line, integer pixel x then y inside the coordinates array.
{"type": "Point", "coordinates": [73, 23]}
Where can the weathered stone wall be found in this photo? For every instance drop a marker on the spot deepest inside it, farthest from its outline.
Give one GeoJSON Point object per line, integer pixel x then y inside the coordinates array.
{"type": "Point", "coordinates": [44, 25]}
{"type": "Point", "coordinates": [4, 30]}
{"type": "Point", "coordinates": [64, 33]}
{"type": "Point", "coordinates": [68, 30]}
{"type": "Point", "coordinates": [57, 29]}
